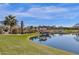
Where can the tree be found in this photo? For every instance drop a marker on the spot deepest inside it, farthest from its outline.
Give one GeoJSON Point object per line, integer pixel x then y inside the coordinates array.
{"type": "Point", "coordinates": [10, 21]}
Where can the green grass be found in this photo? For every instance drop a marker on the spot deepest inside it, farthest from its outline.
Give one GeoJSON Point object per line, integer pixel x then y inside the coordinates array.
{"type": "Point", "coordinates": [71, 31]}
{"type": "Point", "coordinates": [20, 45]}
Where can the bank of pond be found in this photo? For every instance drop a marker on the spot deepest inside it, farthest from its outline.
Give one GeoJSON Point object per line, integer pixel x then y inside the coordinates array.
{"type": "Point", "coordinates": [63, 41]}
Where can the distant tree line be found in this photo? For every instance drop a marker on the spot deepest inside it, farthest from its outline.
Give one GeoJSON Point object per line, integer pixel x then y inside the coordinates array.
{"type": "Point", "coordinates": [10, 26]}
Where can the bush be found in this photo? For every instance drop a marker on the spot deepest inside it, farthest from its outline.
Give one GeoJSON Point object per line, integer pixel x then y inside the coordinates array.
{"type": "Point", "coordinates": [14, 31]}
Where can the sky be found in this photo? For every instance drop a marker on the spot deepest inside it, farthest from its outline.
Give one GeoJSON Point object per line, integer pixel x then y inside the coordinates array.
{"type": "Point", "coordinates": [35, 14]}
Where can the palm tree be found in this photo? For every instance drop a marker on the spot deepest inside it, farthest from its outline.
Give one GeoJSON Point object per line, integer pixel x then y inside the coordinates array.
{"type": "Point", "coordinates": [10, 21]}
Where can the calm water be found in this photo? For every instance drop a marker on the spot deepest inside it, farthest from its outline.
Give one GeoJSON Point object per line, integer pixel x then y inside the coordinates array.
{"type": "Point", "coordinates": [66, 42]}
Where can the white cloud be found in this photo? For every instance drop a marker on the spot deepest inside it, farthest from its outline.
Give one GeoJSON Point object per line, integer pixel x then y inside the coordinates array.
{"type": "Point", "coordinates": [53, 12]}
{"type": "Point", "coordinates": [49, 12]}
{"type": "Point", "coordinates": [42, 12]}
{"type": "Point", "coordinates": [49, 9]}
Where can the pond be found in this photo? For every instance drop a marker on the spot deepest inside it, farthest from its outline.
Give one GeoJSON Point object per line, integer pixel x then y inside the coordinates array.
{"type": "Point", "coordinates": [67, 42]}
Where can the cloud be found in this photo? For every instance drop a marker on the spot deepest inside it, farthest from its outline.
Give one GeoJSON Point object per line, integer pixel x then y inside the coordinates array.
{"type": "Point", "coordinates": [3, 10]}
{"type": "Point", "coordinates": [52, 12]}
{"type": "Point", "coordinates": [48, 9]}
{"type": "Point", "coordinates": [42, 12]}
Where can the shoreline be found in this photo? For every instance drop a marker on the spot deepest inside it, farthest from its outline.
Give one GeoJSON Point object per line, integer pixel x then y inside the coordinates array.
{"type": "Point", "coordinates": [21, 45]}
{"type": "Point", "coordinates": [52, 48]}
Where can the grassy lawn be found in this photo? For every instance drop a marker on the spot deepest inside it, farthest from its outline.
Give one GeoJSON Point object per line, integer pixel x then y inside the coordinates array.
{"type": "Point", "coordinates": [20, 45]}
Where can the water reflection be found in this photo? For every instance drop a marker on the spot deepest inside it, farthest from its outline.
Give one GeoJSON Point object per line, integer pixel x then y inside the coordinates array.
{"type": "Point", "coordinates": [77, 37]}
{"type": "Point", "coordinates": [52, 35]}
{"type": "Point", "coordinates": [42, 37]}
{"type": "Point", "coordinates": [61, 34]}
{"type": "Point", "coordinates": [45, 37]}
{"type": "Point", "coordinates": [33, 38]}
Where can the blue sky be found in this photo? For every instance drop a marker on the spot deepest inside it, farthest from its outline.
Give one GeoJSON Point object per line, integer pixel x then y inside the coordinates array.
{"type": "Point", "coordinates": [58, 14]}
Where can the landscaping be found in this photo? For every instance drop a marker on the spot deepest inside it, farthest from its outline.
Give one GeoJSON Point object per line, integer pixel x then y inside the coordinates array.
{"type": "Point", "coordinates": [17, 44]}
